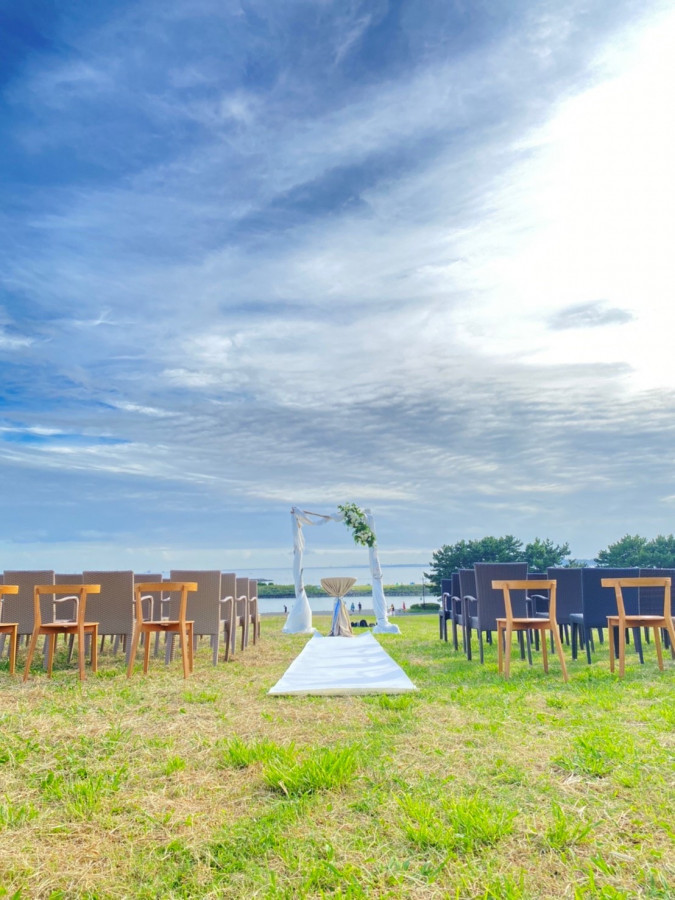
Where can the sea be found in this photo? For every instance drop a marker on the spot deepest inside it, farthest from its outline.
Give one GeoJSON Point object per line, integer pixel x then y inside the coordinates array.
{"type": "Point", "coordinates": [398, 575]}
{"type": "Point", "coordinates": [412, 573]}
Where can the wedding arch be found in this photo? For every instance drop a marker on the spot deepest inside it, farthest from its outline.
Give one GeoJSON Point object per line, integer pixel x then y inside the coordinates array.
{"type": "Point", "coordinates": [361, 522]}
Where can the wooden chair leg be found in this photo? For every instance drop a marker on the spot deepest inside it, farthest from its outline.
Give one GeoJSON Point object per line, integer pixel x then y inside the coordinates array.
{"type": "Point", "coordinates": [611, 647]}
{"type": "Point", "coordinates": [561, 656]}
{"type": "Point", "coordinates": [670, 628]}
{"type": "Point", "coordinates": [146, 653]}
{"type": "Point", "coordinates": [94, 649]}
{"type": "Point", "coordinates": [507, 651]}
{"type": "Point", "coordinates": [51, 648]}
{"type": "Point", "coordinates": [185, 651]}
{"type": "Point", "coordinates": [657, 645]}
{"type": "Point", "coordinates": [132, 652]}
{"type": "Point", "coordinates": [81, 651]}
{"type": "Point", "coordinates": [544, 652]}
{"type": "Point", "coordinates": [31, 651]}
{"type": "Point", "coordinates": [13, 642]}
{"type": "Point", "coordinates": [622, 650]}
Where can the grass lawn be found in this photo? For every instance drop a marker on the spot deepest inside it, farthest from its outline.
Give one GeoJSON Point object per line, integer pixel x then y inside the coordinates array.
{"type": "Point", "coordinates": [158, 787]}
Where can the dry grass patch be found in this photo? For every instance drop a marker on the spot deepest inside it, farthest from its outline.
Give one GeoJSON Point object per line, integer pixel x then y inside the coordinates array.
{"type": "Point", "coordinates": [471, 788]}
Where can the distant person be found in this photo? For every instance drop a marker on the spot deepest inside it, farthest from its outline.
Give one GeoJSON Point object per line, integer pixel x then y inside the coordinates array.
{"type": "Point", "coordinates": [359, 606]}
{"type": "Point", "coordinates": [352, 607]}
{"type": "Point", "coordinates": [285, 608]}
{"type": "Point", "coordinates": [403, 606]}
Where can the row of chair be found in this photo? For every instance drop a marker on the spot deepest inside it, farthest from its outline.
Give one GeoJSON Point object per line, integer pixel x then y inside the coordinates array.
{"type": "Point", "coordinates": [219, 605]}
{"type": "Point", "coordinates": [585, 599]}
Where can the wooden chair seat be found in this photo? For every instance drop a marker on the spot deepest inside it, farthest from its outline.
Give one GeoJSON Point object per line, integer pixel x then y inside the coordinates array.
{"type": "Point", "coordinates": [507, 625]}
{"type": "Point", "coordinates": [77, 626]}
{"type": "Point", "coordinates": [525, 623]}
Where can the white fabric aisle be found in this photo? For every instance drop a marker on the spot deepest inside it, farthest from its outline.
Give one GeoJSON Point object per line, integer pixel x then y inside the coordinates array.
{"type": "Point", "coordinates": [343, 665]}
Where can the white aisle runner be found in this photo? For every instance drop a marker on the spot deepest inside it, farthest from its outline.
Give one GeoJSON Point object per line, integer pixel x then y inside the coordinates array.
{"type": "Point", "coordinates": [343, 665]}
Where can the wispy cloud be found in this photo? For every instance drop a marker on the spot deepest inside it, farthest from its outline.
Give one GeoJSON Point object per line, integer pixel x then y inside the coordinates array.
{"type": "Point", "coordinates": [271, 254]}
{"type": "Point", "coordinates": [590, 315]}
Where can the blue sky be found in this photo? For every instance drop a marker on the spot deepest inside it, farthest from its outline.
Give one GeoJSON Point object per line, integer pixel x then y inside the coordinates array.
{"type": "Point", "coordinates": [415, 255]}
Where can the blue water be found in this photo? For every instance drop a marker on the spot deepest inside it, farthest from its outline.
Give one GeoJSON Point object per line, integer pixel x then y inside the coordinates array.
{"type": "Point", "coordinates": [325, 605]}
{"type": "Point", "coordinates": [402, 574]}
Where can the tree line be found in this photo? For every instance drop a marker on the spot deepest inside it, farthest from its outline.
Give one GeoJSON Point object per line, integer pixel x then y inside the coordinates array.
{"type": "Point", "coordinates": [629, 551]}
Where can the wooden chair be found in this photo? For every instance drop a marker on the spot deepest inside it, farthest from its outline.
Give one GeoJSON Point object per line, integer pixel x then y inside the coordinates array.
{"type": "Point", "coordinates": [67, 593]}
{"type": "Point", "coordinates": [506, 626]}
{"type": "Point", "coordinates": [10, 628]}
{"type": "Point", "coordinates": [621, 621]}
{"type": "Point", "coordinates": [485, 605]}
{"type": "Point", "coordinates": [181, 626]}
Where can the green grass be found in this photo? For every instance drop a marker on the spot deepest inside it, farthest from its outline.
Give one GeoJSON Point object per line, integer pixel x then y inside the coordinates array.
{"type": "Point", "coordinates": [470, 788]}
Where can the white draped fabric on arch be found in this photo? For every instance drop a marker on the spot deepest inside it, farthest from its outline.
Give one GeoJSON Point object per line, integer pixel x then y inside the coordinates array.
{"type": "Point", "coordinates": [299, 619]}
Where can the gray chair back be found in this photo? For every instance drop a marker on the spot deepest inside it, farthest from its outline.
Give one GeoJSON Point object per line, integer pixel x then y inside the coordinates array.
{"type": "Point", "coordinates": [467, 583]}
{"type": "Point", "coordinates": [113, 608]}
{"type": "Point", "coordinates": [490, 600]}
{"type": "Point", "coordinates": [568, 592]}
{"type": "Point", "coordinates": [156, 610]}
{"type": "Point", "coordinates": [599, 602]}
{"type": "Point", "coordinates": [228, 585]}
{"type": "Point", "coordinates": [203, 605]}
{"type": "Point", "coordinates": [650, 599]}
{"type": "Point", "coordinates": [19, 607]}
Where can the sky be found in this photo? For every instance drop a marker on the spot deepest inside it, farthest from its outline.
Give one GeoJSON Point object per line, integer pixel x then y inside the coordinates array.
{"type": "Point", "coordinates": [412, 254]}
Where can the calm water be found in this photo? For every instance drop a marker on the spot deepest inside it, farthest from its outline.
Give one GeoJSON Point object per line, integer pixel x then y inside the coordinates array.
{"type": "Point", "coordinates": [405, 574]}
{"type": "Point", "coordinates": [320, 605]}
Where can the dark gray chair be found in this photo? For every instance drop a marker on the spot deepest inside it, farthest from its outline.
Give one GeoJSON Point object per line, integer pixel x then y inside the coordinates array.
{"type": "Point", "coordinates": [568, 596]}
{"type": "Point", "coordinates": [487, 605]}
{"type": "Point", "coordinates": [445, 611]}
{"type": "Point", "coordinates": [597, 603]}
{"type": "Point", "coordinates": [650, 600]}
{"type": "Point", "coordinates": [451, 607]}
{"type": "Point", "coordinates": [467, 593]}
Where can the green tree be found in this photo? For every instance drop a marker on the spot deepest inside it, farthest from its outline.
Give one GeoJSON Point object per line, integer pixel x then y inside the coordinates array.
{"type": "Point", "coordinates": [542, 554]}
{"type": "Point", "coordinates": [634, 550]}
{"type": "Point", "coordinates": [629, 551]}
{"type": "Point", "coordinates": [464, 554]}
{"type": "Point", "coordinates": [660, 552]}
{"type": "Point", "coordinates": [539, 555]}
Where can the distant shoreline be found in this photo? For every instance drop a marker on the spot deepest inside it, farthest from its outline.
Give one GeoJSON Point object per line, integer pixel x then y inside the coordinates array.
{"type": "Point", "coordinates": [287, 591]}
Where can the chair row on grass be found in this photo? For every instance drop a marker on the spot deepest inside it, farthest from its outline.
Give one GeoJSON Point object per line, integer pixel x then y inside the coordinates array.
{"type": "Point", "coordinates": [575, 601]}
{"type": "Point", "coordinates": [125, 607]}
